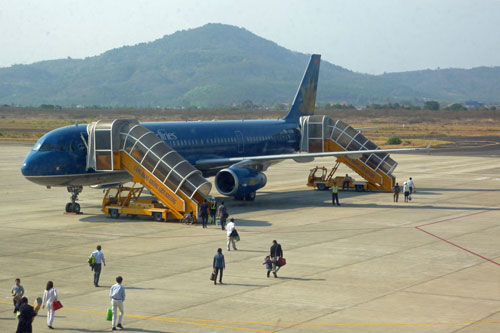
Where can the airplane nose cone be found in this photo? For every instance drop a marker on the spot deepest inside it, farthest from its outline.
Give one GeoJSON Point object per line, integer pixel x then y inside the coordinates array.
{"type": "Point", "coordinates": [36, 164]}
{"type": "Point", "coordinates": [27, 167]}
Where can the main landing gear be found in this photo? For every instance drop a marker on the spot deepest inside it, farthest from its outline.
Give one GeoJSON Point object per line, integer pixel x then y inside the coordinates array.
{"type": "Point", "coordinates": [248, 197]}
{"type": "Point", "coordinates": [73, 206]}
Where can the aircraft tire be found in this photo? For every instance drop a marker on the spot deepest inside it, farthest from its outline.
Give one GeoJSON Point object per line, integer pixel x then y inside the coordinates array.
{"type": "Point", "coordinates": [321, 187]}
{"type": "Point", "coordinates": [239, 197]}
{"type": "Point", "coordinates": [69, 207]}
{"type": "Point", "coordinates": [76, 208]}
{"type": "Point", "coordinates": [250, 196]}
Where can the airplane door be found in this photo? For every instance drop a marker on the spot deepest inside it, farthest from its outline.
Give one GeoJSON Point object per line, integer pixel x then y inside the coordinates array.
{"type": "Point", "coordinates": [239, 140]}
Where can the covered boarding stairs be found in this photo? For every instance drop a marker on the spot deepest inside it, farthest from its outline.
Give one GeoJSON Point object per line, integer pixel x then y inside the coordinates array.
{"type": "Point", "coordinates": [126, 145]}
{"type": "Point", "coordinates": [324, 134]}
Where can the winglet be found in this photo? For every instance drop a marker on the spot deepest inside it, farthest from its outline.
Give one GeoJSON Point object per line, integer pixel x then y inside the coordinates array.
{"type": "Point", "coordinates": [305, 99]}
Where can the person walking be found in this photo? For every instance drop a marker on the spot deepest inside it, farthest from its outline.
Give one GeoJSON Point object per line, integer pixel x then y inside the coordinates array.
{"type": "Point", "coordinates": [27, 313]}
{"type": "Point", "coordinates": [276, 253]}
{"type": "Point", "coordinates": [49, 296]}
{"type": "Point", "coordinates": [213, 209]}
{"type": "Point", "coordinates": [347, 181]}
{"type": "Point", "coordinates": [219, 265]}
{"type": "Point", "coordinates": [411, 187]}
{"type": "Point", "coordinates": [406, 191]}
{"type": "Point", "coordinates": [335, 194]}
{"type": "Point", "coordinates": [396, 191]}
{"type": "Point", "coordinates": [99, 261]}
{"type": "Point", "coordinates": [231, 234]}
{"type": "Point", "coordinates": [117, 297]}
{"type": "Point", "coordinates": [204, 213]}
{"type": "Point", "coordinates": [269, 265]}
{"type": "Point", "coordinates": [17, 294]}
{"type": "Point", "coordinates": [222, 213]}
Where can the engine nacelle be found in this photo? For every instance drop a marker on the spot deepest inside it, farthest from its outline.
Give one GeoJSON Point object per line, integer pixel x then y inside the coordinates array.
{"type": "Point", "coordinates": [239, 182]}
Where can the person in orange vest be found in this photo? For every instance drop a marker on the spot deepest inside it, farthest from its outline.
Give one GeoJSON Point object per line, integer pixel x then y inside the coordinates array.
{"type": "Point", "coordinates": [335, 194]}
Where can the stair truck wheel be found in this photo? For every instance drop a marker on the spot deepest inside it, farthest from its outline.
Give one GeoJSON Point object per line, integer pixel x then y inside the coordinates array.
{"type": "Point", "coordinates": [157, 216]}
{"type": "Point", "coordinates": [114, 213]}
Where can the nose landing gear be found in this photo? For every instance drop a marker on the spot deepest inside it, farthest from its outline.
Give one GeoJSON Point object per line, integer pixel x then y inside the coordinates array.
{"type": "Point", "coordinates": [73, 206]}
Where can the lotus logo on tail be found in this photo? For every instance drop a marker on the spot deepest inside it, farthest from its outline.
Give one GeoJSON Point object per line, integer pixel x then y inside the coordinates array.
{"type": "Point", "coordinates": [308, 98]}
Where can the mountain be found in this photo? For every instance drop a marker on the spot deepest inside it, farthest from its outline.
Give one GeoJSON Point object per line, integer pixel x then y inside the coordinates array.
{"type": "Point", "coordinates": [219, 64]}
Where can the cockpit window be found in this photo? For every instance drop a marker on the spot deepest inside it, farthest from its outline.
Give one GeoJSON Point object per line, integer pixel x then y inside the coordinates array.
{"type": "Point", "coordinates": [64, 144]}
{"type": "Point", "coordinates": [37, 146]}
{"type": "Point", "coordinates": [54, 147]}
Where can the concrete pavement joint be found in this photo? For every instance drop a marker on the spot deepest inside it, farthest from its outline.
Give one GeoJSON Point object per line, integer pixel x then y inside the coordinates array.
{"type": "Point", "coordinates": [450, 242]}
{"type": "Point", "coordinates": [206, 322]}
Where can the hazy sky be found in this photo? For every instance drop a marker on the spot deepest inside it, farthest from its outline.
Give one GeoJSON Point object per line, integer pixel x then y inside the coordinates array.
{"type": "Point", "coordinates": [370, 36]}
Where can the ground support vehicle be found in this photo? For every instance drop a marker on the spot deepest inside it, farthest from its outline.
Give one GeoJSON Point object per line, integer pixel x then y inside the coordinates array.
{"type": "Point", "coordinates": [320, 178]}
{"type": "Point", "coordinates": [126, 200]}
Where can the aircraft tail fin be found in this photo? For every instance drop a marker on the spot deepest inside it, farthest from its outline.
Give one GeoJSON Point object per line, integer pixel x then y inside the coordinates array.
{"type": "Point", "coordinates": [305, 99]}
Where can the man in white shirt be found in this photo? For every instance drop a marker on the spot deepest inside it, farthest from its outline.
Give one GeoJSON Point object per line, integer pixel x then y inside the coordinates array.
{"type": "Point", "coordinates": [411, 186]}
{"type": "Point", "coordinates": [230, 237]}
{"type": "Point", "coordinates": [99, 260]}
{"type": "Point", "coordinates": [117, 297]}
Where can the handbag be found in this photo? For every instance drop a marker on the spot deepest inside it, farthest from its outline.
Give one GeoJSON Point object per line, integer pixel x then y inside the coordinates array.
{"type": "Point", "coordinates": [56, 305]}
{"type": "Point", "coordinates": [281, 262]}
{"type": "Point", "coordinates": [109, 314]}
{"type": "Point", "coordinates": [212, 276]}
{"type": "Point", "coordinates": [237, 238]}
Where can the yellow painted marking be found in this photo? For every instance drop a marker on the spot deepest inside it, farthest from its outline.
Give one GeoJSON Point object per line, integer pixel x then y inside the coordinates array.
{"type": "Point", "coordinates": [207, 322]}
{"type": "Point", "coordinates": [171, 320]}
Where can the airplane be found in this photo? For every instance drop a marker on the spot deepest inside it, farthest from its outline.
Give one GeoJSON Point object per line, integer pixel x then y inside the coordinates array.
{"type": "Point", "coordinates": [236, 152]}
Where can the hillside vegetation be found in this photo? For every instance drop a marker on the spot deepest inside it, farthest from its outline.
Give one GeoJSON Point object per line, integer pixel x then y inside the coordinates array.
{"type": "Point", "coordinates": [217, 65]}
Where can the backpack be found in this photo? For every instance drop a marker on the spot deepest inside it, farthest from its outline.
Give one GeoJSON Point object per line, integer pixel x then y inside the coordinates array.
{"type": "Point", "coordinates": [91, 261]}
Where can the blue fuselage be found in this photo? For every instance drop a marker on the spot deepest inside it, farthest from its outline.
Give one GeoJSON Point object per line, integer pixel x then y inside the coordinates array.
{"type": "Point", "coordinates": [59, 157]}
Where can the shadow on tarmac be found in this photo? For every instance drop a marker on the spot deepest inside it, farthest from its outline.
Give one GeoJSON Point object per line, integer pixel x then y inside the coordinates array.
{"type": "Point", "coordinates": [437, 190]}
{"type": "Point", "coordinates": [137, 288]}
{"type": "Point", "coordinates": [405, 205]}
{"type": "Point", "coordinates": [302, 199]}
{"type": "Point", "coordinates": [241, 284]}
{"type": "Point", "coordinates": [77, 329]}
{"type": "Point", "coordinates": [299, 279]}
{"type": "Point", "coordinates": [102, 219]}
{"type": "Point", "coordinates": [125, 329]}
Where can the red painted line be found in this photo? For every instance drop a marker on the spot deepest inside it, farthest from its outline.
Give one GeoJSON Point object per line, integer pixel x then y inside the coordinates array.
{"type": "Point", "coordinates": [454, 244]}
{"type": "Point", "coordinates": [453, 218]}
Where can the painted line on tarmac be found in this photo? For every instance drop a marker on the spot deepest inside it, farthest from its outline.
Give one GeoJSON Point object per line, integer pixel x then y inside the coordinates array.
{"type": "Point", "coordinates": [219, 323]}
{"type": "Point", "coordinates": [184, 236]}
{"type": "Point", "coordinates": [454, 244]}
{"type": "Point", "coordinates": [185, 321]}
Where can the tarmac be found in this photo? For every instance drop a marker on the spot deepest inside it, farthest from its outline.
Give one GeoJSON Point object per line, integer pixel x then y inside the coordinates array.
{"type": "Point", "coordinates": [370, 265]}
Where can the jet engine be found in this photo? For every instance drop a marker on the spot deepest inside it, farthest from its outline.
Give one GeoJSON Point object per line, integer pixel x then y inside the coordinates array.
{"type": "Point", "coordinates": [240, 182]}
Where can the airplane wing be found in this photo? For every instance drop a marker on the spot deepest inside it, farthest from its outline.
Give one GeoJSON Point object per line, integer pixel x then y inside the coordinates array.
{"type": "Point", "coordinates": [265, 161]}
